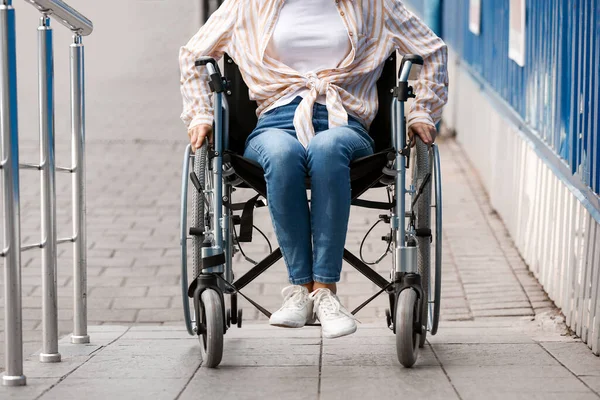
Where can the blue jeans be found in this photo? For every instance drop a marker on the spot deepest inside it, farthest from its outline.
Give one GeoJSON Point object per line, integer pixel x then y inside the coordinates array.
{"type": "Point", "coordinates": [311, 240]}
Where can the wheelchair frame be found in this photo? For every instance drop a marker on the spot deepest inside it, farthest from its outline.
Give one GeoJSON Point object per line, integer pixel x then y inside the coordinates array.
{"type": "Point", "coordinates": [413, 310]}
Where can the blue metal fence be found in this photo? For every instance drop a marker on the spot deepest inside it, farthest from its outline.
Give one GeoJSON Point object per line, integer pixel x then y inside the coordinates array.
{"type": "Point", "coordinates": [556, 93]}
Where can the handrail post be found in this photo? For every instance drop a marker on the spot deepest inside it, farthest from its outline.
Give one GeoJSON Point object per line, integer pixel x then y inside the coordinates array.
{"type": "Point", "coordinates": [48, 190]}
{"type": "Point", "coordinates": [12, 226]}
{"type": "Point", "coordinates": [80, 334]}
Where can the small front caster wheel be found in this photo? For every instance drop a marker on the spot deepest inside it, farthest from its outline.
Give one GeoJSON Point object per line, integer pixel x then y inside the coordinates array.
{"type": "Point", "coordinates": [211, 341]}
{"type": "Point", "coordinates": [407, 338]}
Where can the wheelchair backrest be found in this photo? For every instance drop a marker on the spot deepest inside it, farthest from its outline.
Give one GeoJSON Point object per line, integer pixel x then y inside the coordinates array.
{"type": "Point", "coordinates": [243, 120]}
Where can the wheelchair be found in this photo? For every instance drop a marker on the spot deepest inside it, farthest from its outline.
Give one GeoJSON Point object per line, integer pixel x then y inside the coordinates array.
{"type": "Point", "coordinates": [414, 215]}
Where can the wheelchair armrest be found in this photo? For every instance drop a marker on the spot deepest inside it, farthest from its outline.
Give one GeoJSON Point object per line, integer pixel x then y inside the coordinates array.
{"type": "Point", "coordinates": [412, 59]}
{"type": "Point", "coordinates": [207, 60]}
{"type": "Point", "coordinates": [216, 78]}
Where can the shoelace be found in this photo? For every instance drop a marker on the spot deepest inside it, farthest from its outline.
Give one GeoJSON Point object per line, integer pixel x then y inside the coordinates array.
{"type": "Point", "coordinates": [328, 303]}
{"type": "Point", "coordinates": [293, 296]}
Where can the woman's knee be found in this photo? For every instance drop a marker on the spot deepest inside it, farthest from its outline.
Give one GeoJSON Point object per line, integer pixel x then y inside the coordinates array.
{"type": "Point", "coordinates": [278, 152]}
{"type": "Point", "coordinates": [338, 144]}
{"type": "Point", "coordinates": [326, 145]}
{"type": "Point", "coordinates": [335, 148]}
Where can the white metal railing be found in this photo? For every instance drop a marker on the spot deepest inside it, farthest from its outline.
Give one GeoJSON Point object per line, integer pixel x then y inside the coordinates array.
{"type": "Point", "coordinates": [9, 164]}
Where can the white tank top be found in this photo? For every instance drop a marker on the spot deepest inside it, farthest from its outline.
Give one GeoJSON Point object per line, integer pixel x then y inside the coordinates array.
{"type": "Point", "coordinates": [309, 36]}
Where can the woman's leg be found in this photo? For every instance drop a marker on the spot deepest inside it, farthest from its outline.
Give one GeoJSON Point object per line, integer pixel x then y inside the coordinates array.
{"type": "Point", "coordinates": [329, 156]}
{"type": "Point", "coordinates": [284, 161]}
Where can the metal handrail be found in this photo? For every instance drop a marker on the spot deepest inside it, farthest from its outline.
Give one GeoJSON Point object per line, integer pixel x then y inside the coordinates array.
{"type": "Point", "coordinates": [64, 14]}
{"type": "Point", "coordinates": [9, 170]}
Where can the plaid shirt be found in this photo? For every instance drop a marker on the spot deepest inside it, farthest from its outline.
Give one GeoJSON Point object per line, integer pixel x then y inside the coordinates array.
{"type": "Point", "coordinates": [243, 28]}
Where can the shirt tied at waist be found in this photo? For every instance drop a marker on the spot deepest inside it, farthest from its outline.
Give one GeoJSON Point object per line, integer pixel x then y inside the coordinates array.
{"type": "Point", "coordinates": [320, 85]}
{"type": "Point", "coordinates": [337, 115]}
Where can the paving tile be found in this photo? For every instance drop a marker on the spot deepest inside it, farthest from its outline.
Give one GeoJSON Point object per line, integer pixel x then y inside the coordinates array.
{"type": "Point", "coordinates": [112, 292]}
{"type": "Point", "coordinates": [159, 315]}
{"type": "Point", "coordinates": [111, 315]}
{"type": "Point", "coordinates": [496, 301]}
{"type": "Point", "coordinates": [503, 312]}
{"type": "Point", "coordinates": [171, 347]}
{"type": "Point", "coordinates": [107, 328]}
{"type": "Point", "coordinates": [270, 352]}
{"type": "Point", "coordinates": [503, 383]}
{"type": "Point", "coordinates": [130, 271]}
{"type": "Point", "coordinates": [424, 382]}
{"type": "Point", "coordinates": [140, 366]}
{"type": "Point", "coordinates": [592, 382]}
{"type": "Point", "coordinates": [34, 388]}
{"type": "Point", "coordinates": [478, 355]}
{"type": "Point", "coordinates": [577, 357]}
{"type": "Point", "coordinates": [274, 345]}
{"type": "Point", "coordinates": [480, 335]}
{"type": "Point", "coordinates": [160, 333]}
{"type": "Point", "coordinates": [106, 281]}
{"type": "Point", "coordinates": [69, 351]}
{"type": "Point", "coordinates": [174, 290]}
{"type": "Point", "coordinates": [156, 328]}
{"type": "Point", "coordinates": [456, 317]}
{"type": "Point", "coordinates": [120, 303]}
{"type": "Point", "coordinates": [142, 280]}
{"type": "Point", "coordinates": [257, 330]}
{"type": "Point", "coordinates": [372, 355]}
{"type": "Point", "coordinates": [255, 383]}
{"type": "Point", "coordinates": [117, 388]}
{"type": "Point", "coordinates": [34, 369]}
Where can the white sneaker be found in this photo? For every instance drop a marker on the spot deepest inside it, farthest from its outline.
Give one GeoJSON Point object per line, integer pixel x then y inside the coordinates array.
{"type": "Point", "coordinates": [335, 320]}
{"type": "Point", "coordinates": [297, 308]}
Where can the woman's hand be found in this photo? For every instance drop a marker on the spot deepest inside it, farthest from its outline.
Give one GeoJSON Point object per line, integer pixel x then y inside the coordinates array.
{"type": "Point", "coordinates": [198, 134]}
{"type": "Point", "coordinates": [426, 132]}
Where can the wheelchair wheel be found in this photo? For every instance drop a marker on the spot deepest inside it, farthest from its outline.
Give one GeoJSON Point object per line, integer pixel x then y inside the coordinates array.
{"type": "Point", "coordinates": [198, 207]}
{"type": "Point", "coordinates": [436, 236]}
{"type": "Point", "coordinates": [422, 209]}
{"type": "Point", "coordinates": [211, 341]}
{"type": "Point", "coordinates": [407, 340]}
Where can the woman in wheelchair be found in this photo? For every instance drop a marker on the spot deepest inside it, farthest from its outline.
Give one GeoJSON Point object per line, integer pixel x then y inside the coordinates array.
{"type": "Point", "coordinates": [311, 66]}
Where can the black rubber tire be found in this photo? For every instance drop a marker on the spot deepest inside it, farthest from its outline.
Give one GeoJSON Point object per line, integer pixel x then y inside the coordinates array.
{"type": "Point", "coordinates": [200, 160]}
{"type": "Point", "coordinates": [240, 317]}
{"type": "Point", "coordinates": [437, 237]}
{"type": "Point", "coordinates": [421, 167]}
{"type": "Point", "coordinates": [407, 340]}
{"type": "Point", "coordinates": [211, 342]}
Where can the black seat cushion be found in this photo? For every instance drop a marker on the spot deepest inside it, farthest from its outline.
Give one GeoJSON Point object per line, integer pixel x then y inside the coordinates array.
{"type": "Point", "coordinates": [365, 172]}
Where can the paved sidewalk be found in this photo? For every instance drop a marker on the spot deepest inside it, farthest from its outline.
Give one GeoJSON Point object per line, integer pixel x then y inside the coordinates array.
{"type": "Point", "coordinates": [500, 337]}
{"type": "Point", "coordinates": [133, 240]}
{"type": "Point", "coordinates": [505, 358]}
